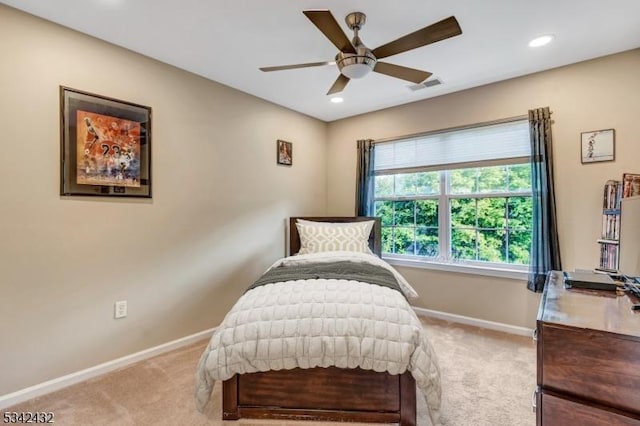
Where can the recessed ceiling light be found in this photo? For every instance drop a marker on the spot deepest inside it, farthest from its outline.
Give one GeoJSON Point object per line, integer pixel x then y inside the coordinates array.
{"type": "Point", "coordinates": [541, 41]}
{"type": "Point", "coordinates": [337, 100]}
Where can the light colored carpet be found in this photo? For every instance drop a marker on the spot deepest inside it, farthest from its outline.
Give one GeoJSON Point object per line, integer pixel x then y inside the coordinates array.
{"type": "Point", "coordinates": [488, 379]}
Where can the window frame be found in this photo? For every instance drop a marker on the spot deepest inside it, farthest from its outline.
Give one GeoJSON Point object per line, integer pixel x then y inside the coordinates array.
{"type": "Point", "coordinates": [444, 261]}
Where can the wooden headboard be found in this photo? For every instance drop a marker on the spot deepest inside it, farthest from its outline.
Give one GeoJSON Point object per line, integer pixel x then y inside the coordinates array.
{"type": "Point", "coordinates": [375, 241]}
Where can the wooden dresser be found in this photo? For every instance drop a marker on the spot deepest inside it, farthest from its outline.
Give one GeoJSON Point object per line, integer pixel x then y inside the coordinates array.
{"type": "Point", "coordinates": [588, 357]}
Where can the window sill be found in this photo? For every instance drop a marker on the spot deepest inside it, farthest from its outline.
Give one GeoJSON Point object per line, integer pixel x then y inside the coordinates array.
{"type": "Point", "coordinates": [460, 268]}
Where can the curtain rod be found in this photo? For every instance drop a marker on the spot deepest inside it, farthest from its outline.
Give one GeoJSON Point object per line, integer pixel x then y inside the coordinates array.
{"type": "Point", "coordinates": [451, 129]}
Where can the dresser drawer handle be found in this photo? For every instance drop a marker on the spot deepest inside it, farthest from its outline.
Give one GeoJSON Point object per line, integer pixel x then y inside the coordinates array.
{"type": "Point", "coordinates": [534, 400]}
{"type": "Point", "coordinates": [534, 335]}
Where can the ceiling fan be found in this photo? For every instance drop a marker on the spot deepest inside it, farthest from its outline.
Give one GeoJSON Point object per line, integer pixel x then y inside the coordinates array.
{"type": "Point", "coordinates": [355, 60]}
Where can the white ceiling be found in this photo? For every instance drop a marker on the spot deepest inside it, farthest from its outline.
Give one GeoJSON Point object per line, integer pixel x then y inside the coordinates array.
{"type": "Point", "coordinates": [228, 40]}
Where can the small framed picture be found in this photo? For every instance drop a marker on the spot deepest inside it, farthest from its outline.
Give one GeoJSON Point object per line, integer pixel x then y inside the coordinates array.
{"type": "Point", "coordinates": [285, 153]}
{"type": "Point", "coordinates": [105, 146]}
{"type": "Point", "coordinates": [630, 185]}
{"type": "Point", "coordinates": [598, 145]}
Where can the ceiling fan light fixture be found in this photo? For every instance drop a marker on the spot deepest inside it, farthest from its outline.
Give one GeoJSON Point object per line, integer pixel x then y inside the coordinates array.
{"type": "Point", "coordinates": [337, 100]}
{"type": "Point", "coordinates": [355, 66]}
{"type": "Point", "coordinates": [355, 70]}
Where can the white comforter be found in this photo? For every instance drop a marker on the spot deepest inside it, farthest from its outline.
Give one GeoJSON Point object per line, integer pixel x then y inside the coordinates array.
{"type": "Point", "coordinates": [321, 323]}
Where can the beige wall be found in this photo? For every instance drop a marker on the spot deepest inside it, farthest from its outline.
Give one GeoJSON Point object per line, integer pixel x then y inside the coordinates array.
{"type": "Point", "coordinates": [598, 94]}
{"type": "Point", "coordinates": [215, 222]}
{"type": "Point", "coordinates": [182, 258]}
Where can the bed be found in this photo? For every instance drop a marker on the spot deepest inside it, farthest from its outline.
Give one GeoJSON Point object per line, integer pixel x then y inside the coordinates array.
{"type": "Point", "coordinates": [373, 391]}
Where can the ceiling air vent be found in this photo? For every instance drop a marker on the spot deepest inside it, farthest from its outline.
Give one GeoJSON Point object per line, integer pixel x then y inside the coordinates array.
{"type": "Point", "coordinates": [428, 83]}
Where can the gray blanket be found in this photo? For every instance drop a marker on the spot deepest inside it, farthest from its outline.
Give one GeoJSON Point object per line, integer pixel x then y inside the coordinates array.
{"type": "Point", "coordinates": [342, 270]}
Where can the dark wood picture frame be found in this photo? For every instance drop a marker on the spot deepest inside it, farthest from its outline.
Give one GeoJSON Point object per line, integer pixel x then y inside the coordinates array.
{"type": "Point", "coordinates": [284, 153]}
{"type": "Point", "coordinates": [597, 146]}
{"type": "Point", "coordinates": [105, 146]}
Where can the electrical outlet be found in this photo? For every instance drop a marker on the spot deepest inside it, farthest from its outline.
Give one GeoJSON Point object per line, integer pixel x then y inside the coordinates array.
{"type": "Point", "coordinates": [120, 310]}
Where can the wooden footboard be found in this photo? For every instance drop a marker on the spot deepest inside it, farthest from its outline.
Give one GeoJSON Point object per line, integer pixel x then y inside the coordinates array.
{"type": "Point", "coordinates": [333, 394]}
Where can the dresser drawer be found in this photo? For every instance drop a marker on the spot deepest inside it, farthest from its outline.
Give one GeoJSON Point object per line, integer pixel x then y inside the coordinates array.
{"type": "Point", "coordinates": [591, 365]}
{"type": "Point", "coordinates": [557, 411]}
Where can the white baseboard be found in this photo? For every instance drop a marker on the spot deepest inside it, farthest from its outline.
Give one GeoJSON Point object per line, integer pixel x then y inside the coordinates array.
{"type": "Point", "coordinates": [507, 328]}
{"type": "Point", "coordinates": [40, 389]}
{"type": "Point", "coordinates": [34, 391]}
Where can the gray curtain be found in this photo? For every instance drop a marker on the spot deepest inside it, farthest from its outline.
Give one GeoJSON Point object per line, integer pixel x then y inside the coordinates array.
{"type": "Point", "coordinates": [545, 248]}
{"type": "Point", "coordinates": [364, 178]}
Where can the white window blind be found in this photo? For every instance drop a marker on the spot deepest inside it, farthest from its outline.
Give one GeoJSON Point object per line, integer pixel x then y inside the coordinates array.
{"type": "Point", "coordinates": [464, 147]}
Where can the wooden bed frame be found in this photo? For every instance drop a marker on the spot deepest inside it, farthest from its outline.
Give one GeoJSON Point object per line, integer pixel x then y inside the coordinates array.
{"type": "Point", "coordinates": [334, 394]}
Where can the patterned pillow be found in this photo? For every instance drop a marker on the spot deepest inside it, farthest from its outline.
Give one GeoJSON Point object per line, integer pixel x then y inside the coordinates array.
{"type": "Point", "coordinates": [316, 237]}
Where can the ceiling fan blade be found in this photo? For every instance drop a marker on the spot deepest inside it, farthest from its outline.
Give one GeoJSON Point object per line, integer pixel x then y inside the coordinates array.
{"type": "Point", "coordinates": [339, 85]}
{"type": "Point", "coordinates": [404, 73]}
{"type": "Point", "coordinates": [292, 67]}
{"type": "Point", "coordinates": [444, 29]}
{"type": "Point", "coordinates": [324, 20]}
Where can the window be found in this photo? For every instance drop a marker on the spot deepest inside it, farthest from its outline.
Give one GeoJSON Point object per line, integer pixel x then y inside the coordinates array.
{"type": "Point", "coordinates": [460, 196]}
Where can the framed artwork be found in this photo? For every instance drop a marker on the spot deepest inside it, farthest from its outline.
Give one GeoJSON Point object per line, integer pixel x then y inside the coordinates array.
{"type": "Point", "coordinates": [105, 146]}
{"type": "Point", "coordinates": [630, 185]}
{"type": "Point", "coordinates": [598, 145]}
{"type": "Point", "coordinates": [285, 153]}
